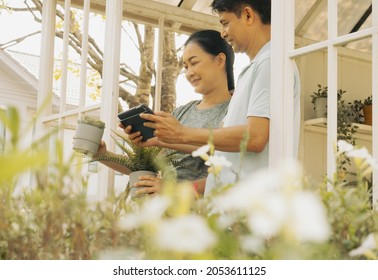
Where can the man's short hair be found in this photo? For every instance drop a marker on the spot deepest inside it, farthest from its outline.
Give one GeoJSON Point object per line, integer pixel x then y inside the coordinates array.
{"type": "Point", "coordinates": [261, 7]}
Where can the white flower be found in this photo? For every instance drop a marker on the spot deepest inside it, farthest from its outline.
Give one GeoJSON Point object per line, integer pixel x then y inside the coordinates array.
{"type": "Point", "coordinates": [272, 203]}
{"type": "Point", "coordinates": [252, 244]}
{"type": "Point", "coordinates": [218, 161]}
{"type": "Point", "coordinates": [151, 212]}
{"type": "Point", "coordinates": [370, 243]}
{"type": "Point", "coordinates": [344, 146]}
{"type": "Point", "coordinates": [248, 191]}
{"type": "Point", "coordinates": [262, 225]}
{"type": "Point", "coordinates": [308, 218]}
{"type": "Point", "coordinates": [226, 220]}
{"type": "Point", "coordinates": [201, 151]}
{"type": "Point", "coordinates": [362, 153]}
{"type": "Point", "coordinates": [268, 215]}
{"type": "Point", "coordinates": [372, 162]}
{"type": "Point", "coordinates": [188, 234]}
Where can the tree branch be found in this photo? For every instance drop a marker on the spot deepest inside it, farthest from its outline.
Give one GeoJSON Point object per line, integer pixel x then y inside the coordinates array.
{"type": "Point", "coordinates": [17, 41]}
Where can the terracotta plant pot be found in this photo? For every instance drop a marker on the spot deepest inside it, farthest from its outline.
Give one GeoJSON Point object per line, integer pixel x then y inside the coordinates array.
{"type": "Point", "coordinates": [87, 139]}
{"type": "Point", "coordinates": [133, 178]}
{"type": "Point", "coordinates": [368, 114]}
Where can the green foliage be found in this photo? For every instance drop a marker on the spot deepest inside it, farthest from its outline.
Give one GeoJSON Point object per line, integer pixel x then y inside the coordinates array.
{"type": "Point", "coordinates": [345, 119]}
{"type": "Point", "coordinates": [356, 107]}
{"type": "Point", "coordinates": [347, 115]}
{"type": "Point", "coordinates": [351, 217]}
{"type": "Point", "coordinates": [138, 158]}
{"type": "Point", "coordinates": [52, 218]}
{"type": "Point", "coordinates": [368, 100]}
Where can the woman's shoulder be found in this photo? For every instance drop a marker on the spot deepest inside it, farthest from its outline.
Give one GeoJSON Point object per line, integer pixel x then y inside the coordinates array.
{"type": "Point", "coordinates": [184, 108]}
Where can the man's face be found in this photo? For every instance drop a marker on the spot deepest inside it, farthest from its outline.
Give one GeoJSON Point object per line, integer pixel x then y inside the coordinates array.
{"type": "Point", "coordinates": [233, 30]}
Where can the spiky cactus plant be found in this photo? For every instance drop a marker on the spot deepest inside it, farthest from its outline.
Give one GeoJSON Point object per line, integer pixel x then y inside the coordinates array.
{"type": "Point", "coordinates": [137, 158]}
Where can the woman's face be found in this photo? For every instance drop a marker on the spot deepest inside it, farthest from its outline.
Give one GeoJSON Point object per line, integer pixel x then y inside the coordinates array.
{"type": "Point", "coordinates": [203, 70]}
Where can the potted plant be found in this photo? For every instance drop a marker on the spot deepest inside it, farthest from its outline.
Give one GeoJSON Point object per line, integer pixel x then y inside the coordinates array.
{"type": "Point", "coordinates": [368, 110]}
{"type": "Point", "coordinates": [139, 161]}
{"type": "Point", "coordinates": [347, 115]}
{"type": "Point", "coordinates": [88, 135]}
{"type": "Point", "coordinates": [364, 108]}
{"type": "Point", "coordinates": [319, 100]}
{"type": "Point", "coordinates": [357, 107]}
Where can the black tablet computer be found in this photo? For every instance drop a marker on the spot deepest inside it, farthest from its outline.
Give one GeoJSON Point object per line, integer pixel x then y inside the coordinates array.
{"type": "Point", "coordinates": [131, 117]}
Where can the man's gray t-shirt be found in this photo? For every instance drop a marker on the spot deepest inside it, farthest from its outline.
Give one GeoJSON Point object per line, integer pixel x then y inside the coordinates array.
{"type": "Point", "coordinates": [252, 98]}
{"type": "Point", "coordinates": [191, 168]}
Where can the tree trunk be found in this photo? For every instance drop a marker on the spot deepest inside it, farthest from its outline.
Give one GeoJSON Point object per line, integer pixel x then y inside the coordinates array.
{"type": "Point", "coordinates": [146, 69]}
{"type": "Point", "coordinates": [171, 68]}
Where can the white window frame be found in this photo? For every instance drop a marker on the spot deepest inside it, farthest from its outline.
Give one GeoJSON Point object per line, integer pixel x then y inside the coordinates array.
{"type": "Point", "coordinates": [283, 15]}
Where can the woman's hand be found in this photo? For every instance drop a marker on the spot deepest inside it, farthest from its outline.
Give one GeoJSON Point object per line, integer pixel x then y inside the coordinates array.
{"type": "Point", "coordinates": [101, 149]}
{"type": "Point", "coordinates": [136, 137]}
{"type": "Point", "coordinates": [148, 184]}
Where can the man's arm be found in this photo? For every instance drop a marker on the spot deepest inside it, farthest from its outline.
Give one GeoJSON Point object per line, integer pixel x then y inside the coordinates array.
{"type": "Point", "coordinates": [227, 139]}
{"type": "Point", "coordinates": [136, 138]}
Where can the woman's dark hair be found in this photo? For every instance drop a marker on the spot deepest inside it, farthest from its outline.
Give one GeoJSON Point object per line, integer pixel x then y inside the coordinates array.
{"type": "Point", "coordinates": [262, 7]}
{"type": "Point", "coordinates": [212, 42]}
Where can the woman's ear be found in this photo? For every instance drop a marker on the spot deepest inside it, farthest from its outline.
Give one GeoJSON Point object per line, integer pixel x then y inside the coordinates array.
{"type": "Point", "coordinates": [221, 59]}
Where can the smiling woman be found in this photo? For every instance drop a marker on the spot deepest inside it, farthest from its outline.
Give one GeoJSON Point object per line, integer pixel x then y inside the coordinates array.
{"type": "Point", "coordinates": [208, 63]}
{"type": "Point", "coordinates": [185, 92]}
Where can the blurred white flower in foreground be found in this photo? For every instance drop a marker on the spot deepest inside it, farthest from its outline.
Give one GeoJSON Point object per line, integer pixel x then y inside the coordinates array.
{"type": "Point", "coordinates": [362, 158]}
{"type": "Point", "coordinates": [273, 202]}
{"type": "Point", "coordinates": [362, 153]}
{"type": "Point", "coordinates": [308, 217]}
{"type": "Point", "coordinates": [189, 234]}
{"type": "Point", "coordinates": [344, 146]}
{"type": "Point", "coordinates": [201, 151]}
{"type": "Point", "coordinates": [268, 216]}
{"type": "Point", "coordinates": [218, 161]}
{"type": "Point", "coordinates": [247, 192]}
{"type": "Point", "coordinates": [252, 244]}
{"type": "Point", "coordinates": [151, 212]}
{"type": "Point", "coordinates": [370, 243]}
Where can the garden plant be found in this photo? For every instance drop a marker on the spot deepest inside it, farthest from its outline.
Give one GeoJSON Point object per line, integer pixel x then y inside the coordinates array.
{"type": "Point", "coordinates": [273, 214]}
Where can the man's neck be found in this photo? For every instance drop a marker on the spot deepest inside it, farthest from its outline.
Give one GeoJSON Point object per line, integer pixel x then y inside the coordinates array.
{"type": "Point", "coordinates": [259, 41]}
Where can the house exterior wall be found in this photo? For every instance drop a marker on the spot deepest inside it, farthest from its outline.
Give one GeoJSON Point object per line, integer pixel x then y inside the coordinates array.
{"type": "Point", "coordinates": [14, 91]}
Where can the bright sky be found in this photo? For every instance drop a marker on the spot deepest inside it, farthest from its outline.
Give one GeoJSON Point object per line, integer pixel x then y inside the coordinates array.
{"type": "Point", "coordinates": [23, 23]}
